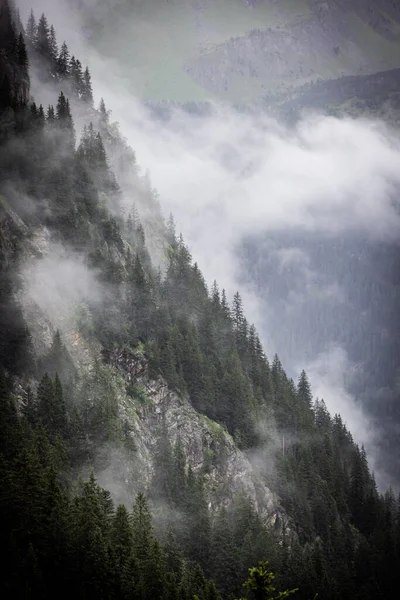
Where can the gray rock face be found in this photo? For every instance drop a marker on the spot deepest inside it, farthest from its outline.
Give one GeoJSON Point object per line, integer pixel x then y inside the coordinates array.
{"type": "Point", "coordinates": [208, 447]}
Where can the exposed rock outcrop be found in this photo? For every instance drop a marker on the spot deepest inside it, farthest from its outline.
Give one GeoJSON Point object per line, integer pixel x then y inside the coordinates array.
{"type": "Point", "coordinates": [208, 447]}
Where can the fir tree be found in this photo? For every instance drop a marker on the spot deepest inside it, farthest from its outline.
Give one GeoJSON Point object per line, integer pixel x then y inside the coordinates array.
{"type": "Point", "coordinates": [87, 92]}
{"type": "Point", "coordinates": [304, 390]}
{"type": "Point", "coordinates": [31, 29]}
{"type": "Point", "coordinates": [63, 62]}
{"type": "Point", "coordinates": [42, 38]}
{"type": "Point", "coordinates": [53, 47]}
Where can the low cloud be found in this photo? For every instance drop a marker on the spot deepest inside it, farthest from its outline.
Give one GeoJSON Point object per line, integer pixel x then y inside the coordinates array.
{"type": "Point", "coordinates": [58, 282]}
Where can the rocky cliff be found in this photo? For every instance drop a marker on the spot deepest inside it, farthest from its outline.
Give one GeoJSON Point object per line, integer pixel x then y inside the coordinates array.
{"type": "Point", "coordinates": [209, 449]}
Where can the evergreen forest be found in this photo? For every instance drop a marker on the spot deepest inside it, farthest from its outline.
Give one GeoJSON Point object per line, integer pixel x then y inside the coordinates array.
{"type": "Point", "coordinates": [67, 173]}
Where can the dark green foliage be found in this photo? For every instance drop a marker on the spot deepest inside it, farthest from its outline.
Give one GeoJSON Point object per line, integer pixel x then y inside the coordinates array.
{"type": "Point", "coordinates": [51, 411]}
{"type": "Point", "coordinates": [68, 545]}
{"type": "Point", "coordinates": [224, 554]}
{"type": "Point", "coordinates": [259, 585]}
{"type": "Point", "coordinates": [41, 40]}
{"type": "Point", "coordinates": [15, 341]}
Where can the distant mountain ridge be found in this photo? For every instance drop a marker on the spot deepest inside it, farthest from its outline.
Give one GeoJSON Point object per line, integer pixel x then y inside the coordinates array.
{"type": "Point", "coordinates": [188, 50]}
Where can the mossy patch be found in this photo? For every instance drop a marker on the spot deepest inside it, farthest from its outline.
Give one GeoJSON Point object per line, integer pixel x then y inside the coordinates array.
{"type": "Point", "coordinates": [217, 431]}
{"type": "Point", "coordinates": [138, 393]}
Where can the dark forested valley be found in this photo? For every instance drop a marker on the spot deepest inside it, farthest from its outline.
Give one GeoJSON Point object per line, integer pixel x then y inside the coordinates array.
{"type": "Point", "coordinates": [351, 287]}
{"type": "Point", "coordinates": [96, 393]}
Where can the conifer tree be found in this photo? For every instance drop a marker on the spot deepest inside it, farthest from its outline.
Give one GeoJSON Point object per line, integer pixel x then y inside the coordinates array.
{"type": "Point", "coordinates": [64, 121]}
{"type": "Point", "coordinates": [178, 478]}
{"type": "Point", "coordinates": [121, 537]}
{"type": "Point", "coordinates": [171, 230]}
{"type": "Point", "coordinates": [237, 314]}
{"type": "Point", "coordinates": [225, 307]}
{"type": "Point", "coordinates": [223, 553]}
{"type": "Point", "coordinates": [259, 585]}
{"type": "Point", "coordinates": [304, 390]}
{"type": "Point", "coordinates": [31, 28]}
{"type": "Point", "coordinates": [63, 62]}
{"type": "Point", "coordinates": [29, 408]}
{"type": "Point", "coordinates": [22, 55]}
{"type": "Point", "coordinates": [42, 38]}
{"type": "Point", "coordinates": [53, 47]}
{"type": "Point", "coordinates": [198, 527]}
{"type": "Point", "coordinates": [163, 466]}
{"type": "Point", "coordinates": [76, 76]}
{"type": "Point", "coordinates": [87, 92]}
{"type": "Point", "coordinates": [146, 552]}
{"type": "Point", "coordinates": [50, 116]}
{"type": "Point", "coordinates": [10, 431]}
{"type": "Point", "coordinates": [104, 113]}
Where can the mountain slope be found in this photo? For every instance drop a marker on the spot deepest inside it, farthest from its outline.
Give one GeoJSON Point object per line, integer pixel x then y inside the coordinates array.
{"type": "Point", "coordinates": [104, 355]}
{"type": "Point", "coordinates": [189, 50]}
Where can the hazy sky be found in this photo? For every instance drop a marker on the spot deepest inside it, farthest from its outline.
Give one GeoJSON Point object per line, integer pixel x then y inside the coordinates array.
{"type": "Point", "coordinates": [231, 175]}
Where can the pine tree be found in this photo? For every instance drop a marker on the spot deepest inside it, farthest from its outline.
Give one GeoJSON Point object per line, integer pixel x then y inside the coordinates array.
{"type": "Point", "coordinates": [90, 526]}
{"type": "Point", "coordinates": [162, 475]}
{"type": "Point", "coordinates": [304, 390]}
{"type": "Point", "coordinates": [238, 319]}
{"type": "Point", "coordinates": [10, 431]}
{"type": "Point", "coordinates": [31, 29]}
{"type": "Point", "coordinates": [146, 552]}
{"type": "Point", "coordinates": [173, 556]}
{"type": "Point", "coordinates": [197, 532]}
{"type": "Point", "coordinates": [104, 114]}
{"type": "Point", "coordinates": [64, 121]}
{"type": "Point", "coordinates": [77, 440]}
{"type": "Point", "coordinates": [22, 55]}
{"type": "Point", "coordinates": [171, 231]}
{"type": "Point", "coordinates": [121, 536]}
{"type": "Point", "coordinates": [225, 307]}
{"type": "Point", "coordinates": [63, 62]}
{"type": "Point", "coordinates": [50, 407]}
{"type": "Point", "coordinates": [223, 553]}
{"type": "Point", "coordinates": [357, 489]}
{"type": "Point", "coordinates": [62, 110]}
{"type": "Point", "coordinates": [60, 424]}
{"type": "Point", "coordinates": [260, 584]}
{"type": "Point", "coordinates": [45, 403]}
{"type": "Point", "coordinates": [178, 478]}
{"type": "Point", "coordinates": [76, 76]}
{"type": "Point", "coordinates": [42, 38]}
{"type": "Point", "coordinates": [29, 408]}
{"type": "Point", "coordinates": [53, 47]}
{"type": "Point", "coordinates": [87, 92]}
{"type": "Point", "coordinates": [50, 115]}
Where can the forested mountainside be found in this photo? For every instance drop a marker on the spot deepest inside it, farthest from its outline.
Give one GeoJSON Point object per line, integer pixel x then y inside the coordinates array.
{"type": "Point", "coordinates": [341, 293]}
{"type": "Point", "coordinates": [120, 369]}
{"type": "Point", "coordinates": [374, 95]}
